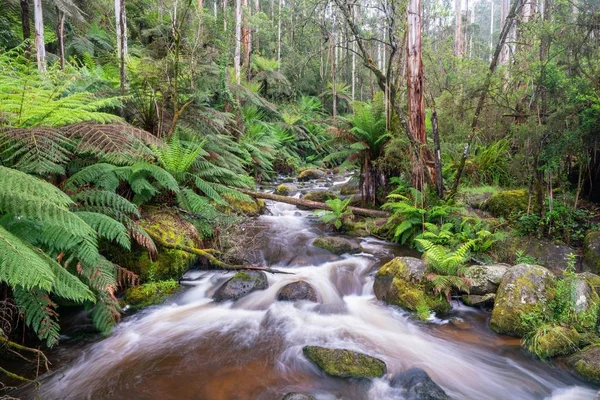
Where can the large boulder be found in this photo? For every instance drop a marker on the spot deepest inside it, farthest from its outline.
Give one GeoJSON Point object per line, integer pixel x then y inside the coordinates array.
{"type": "Point", "coordinates": [349, 189]}
{"type": "Point", "coordinates": [550, 255]}
{"type": "Point", "coordinates": [417, 385]}
{"type": "Point", "coordinates": [320, 196]}
{"type": "Point", "coordinates": [508, 202]}
{"type": "Point", "coordinates": [337, 245]}
{"type": "Point", "coordinates": [286, 189]}
{"type": "Point", "coordinates": [523, 289]}
{"type": "Point", "coordinates": [592, 279]}
{"type": "Point", "coordinates": [553, 340]}
{"type": "Point", "coordinates": [168, 228]}
{"type": "Point", "coordinates": [584, 296]}
{"type": "Point", "coordinates": [484, 279]}
{"type": "Point", "coordinates": [345, 363]}
{"type": "Point", "coordinates": [297, 291]}
{"type": "Point", "coordinates": [250, 207]}
{"type": "Point", "coordinates": [587, 363]}
{"type": "Point", "coordinates": [400, 282]}
{"type": "Point", "coordinates": [241, 284]}
{"type": "Point", "coordinates": [309, 174]}
{"type": "Point", "coordinates": [591, 252]}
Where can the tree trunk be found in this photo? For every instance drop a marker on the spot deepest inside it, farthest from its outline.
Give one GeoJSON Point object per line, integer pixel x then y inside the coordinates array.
{"type": "Point", "coordinates": [238, 40]}
{"type": "Point", "coordinates": [416, 100]}
{"type": "Point", "coordinates": [279, 33]}
{"type": "Point", "coordinates": [122, 41]}
{"type": "Point", "coordinates": [458, 31]}
{"type": "Point", "coordinates": [25, 22]}
{"type": "Point", "coordinates": [246, 36]}
{"type": "Point", "coordinates": [200, 5]}
{"type": "Point", "coordinates": [439, 180]}
{"type": "Point", "coordinates": [333, 68]}
{"type": "Point", "coordinates": [60, 34]}
{"type": "Point", "coordinates": [225, 15]}
{"type": "Point", "coordinates": [505, 53]}
{"type": "Point", "coordinates": [39, 35]}
{"type": "Point", "coordinates": [365, 212]}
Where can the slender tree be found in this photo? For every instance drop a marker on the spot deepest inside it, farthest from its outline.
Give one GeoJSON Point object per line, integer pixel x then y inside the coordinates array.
{"type": "Point", "coordinates": [238, 41]}
{"type": "Point", "coordinates": [25, 19]}
{"type": "Point", "coordinates": [459, 48]}
{"type": "Point", "coordinates": [39, 35]}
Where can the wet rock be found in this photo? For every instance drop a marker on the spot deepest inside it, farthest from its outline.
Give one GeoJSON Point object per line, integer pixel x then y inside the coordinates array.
{"type": "Point", "coordinates": [587, 363]}
{"type": "Point", "coordinates": [286, 189]}
{"type": "Point", "coordinates": [550, 255]}
{"type": "Point", "coordinates": [309, 174]}
{"type": "Point", "coordinates": [555, 340]}
{"type": "Point", "coordinates": [337, 245]}
{"type": "Point", "coordinates": [591, 252]}
{"type": "Point", "coordinates": [524, 288]}
{"type": "Point", "coordinates": [484, 279]}
{"type": "Point", "coordinates": [298, 396]}
{"type": "Point", "coordinates": [475, 300]}
{"type": "Point", "coordinates": [349, 189]}
{"type": "Point", "coordinates": [297, 291]}
{"type": "Point", "coordinates": [417, 385]}
{"type": "Point", "coordinates": [508, 202]}
{"type": "Point", "coordinates": [241, 284]}
{"type": "Point", "coordinates": [345, 363]}
{"type": "Point", "coordinates": [319, 195]}
{"type": "Point", "coordinates": [150, 293]}
{"type": "Point", "coordinates": [400, 282]}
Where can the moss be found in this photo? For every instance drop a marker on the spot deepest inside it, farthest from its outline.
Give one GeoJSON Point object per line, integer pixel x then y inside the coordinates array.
{"type": "Point", "coordinates": [244, 276]}
{"type": "Point", "coordinates": [508, 202]}
{"type": "Point", "coordinates": [150, 293]}
{"type": "Point", "coordinates": [308, 174]}
{"type": "Point", "coordinates": [349, 189]}
{"type": "Point", "coordinates": [284, 190]}
{"type": "Point", "coordinates": [587, 363]}
{"type": "Point", "coordinates": [252, 208]}
{"type": "Point", "coordinates": [553, 340]}
{"type": "Point", "coordinates": [320, 196]}
{"type": "Point", "coordinates": [169, 264]}
{"type": "Point", "coordinates": [345, 363]}
{"type": "Point", "coordinates": [591, 251]}
{"type": "Point", "coordinates": [337, 245]}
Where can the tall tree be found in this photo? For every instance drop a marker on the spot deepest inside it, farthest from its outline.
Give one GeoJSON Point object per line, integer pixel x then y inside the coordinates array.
{"type": "Point", "coordinates": [25, 19]}
{"type": "Point", "coordinates": [121, 28]}
{"type": "Point", "coordinates": [60, 34]}
{"type": "Point", "coordinates": [39, 35]}
{"type": "Point", "coordinates": [246, 35]}
{"type": "Point", "coordinates": [238, 41]}
{"type": "Point", "coordinates": [459, 46]}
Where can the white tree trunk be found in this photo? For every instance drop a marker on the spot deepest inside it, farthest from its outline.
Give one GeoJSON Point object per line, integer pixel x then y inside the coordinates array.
{"type": "Point", "coordinates": [225, 15]}
{"type": "Point", "coordinates": [238, 40]}
{"type": "Point", "coordinates": [215, 8]}
{"type": "Point", "coordinates": [492, 31]}
{"type": "Point", "coordinates": [121, 36]}
{"type": "Point", "coordinates": [39, 35]}
{"type": "Point", "coordinates": [279, 33]}
{"type": "Point", "coordinates": [505, 53]}
{"type": "Point", "coordinates": [458, 31]}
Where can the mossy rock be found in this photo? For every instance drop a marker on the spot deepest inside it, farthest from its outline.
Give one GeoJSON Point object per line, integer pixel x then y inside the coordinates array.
{"type": "Point", "coordinates": [475, 300]}
{"type": "Point", "coordinates": [349, 189]}
{"type": "Point", "coordinates": [400, 283]}
{"type": "Point", "coordinates": [241, 284]}
{"type": "Point", "coordinates": [508, 202]}
{"type": "Point", "coordinates": [345, 363]}
{"type": "Point", "coordinates": [298, 396]}
{"type": "Point", "coordinates": [309, 174]}
{"type": "Point", "coordinates": [337, 245]}
{"type": "Point", "coordinates": [524, 289]}
{"type": "Point", "coordinates": [286, 189]}
{"type": "Point", "coordinates": [552, 341]}
{"type": "Point", "coordinates": [150, 293]}
{"type": "Point", "coordinates": [591, 251]}
{"type": "Point", "coordinates": [484, 279]}
{"type": "Point", "coordinates": [171, 228]}
{"type": "Point", "coordinates": [251, 208]}
{"type": "Point", "coordinates": [320, 196]}
{"type": "Point", "coordinates": [587, 363]}
{"type": "Point", "coordinates": [592, 279]}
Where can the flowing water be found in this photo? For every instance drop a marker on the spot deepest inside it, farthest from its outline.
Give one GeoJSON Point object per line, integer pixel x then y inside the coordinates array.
{"type": "Point", "coordinates": [193, 348]}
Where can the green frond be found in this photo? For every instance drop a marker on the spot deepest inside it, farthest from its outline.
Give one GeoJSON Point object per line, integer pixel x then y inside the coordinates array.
{"type": "Point", "coordinates": [39, 311]}
{"type": "Point", "coordinates": [106, 227]}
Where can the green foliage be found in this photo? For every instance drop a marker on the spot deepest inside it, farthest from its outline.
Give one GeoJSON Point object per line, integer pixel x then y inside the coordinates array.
{"type": "Point", "coordinates": [338, 215]}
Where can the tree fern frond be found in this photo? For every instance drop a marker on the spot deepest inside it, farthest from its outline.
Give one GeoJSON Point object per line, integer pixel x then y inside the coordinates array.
{"type": "Point", "coordinates": [106, 227]}
{"type": "Point", "coordinates": [39, 313]}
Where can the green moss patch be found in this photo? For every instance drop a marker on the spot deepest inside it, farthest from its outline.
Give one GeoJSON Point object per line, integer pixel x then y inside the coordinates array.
{"type": "Point", "coordinates": [150, 293]}
{"type": "Point", "coordinates": [508, 202]}
{"type": "Point", "coordinates": [345, 363]}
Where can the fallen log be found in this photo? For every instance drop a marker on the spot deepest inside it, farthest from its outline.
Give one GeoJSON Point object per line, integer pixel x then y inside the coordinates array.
{"type": "Point", "coordinates": [365, 212]}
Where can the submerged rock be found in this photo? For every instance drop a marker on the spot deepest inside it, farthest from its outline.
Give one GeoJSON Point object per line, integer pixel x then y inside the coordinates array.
{"type": "Point", "coordinates": [591, 252]}
{"type": "Point", "coordinates": [400, 282]}
{"type": "Point", "coordinates": [587, 363]}
{"type": "Point", "coordinates": [309, 174]}
{"type": "Point", "coordinates": [241, 284]}
{"type": "Point", "coordinates": [286, 189]}
{"type": "Point", "coordinates": [297, 291]}
{"type": "Point", "coordinates": [337, 245]}
{"type": "Point", "coordinates": [524, 288]}
{"type": "Point", "coordinates": [345, 363]}
{"type": "Point", "coordinates": [298, 396]}
{"type": "Point", "coordinates": [417, 385]}
{"type": "Point", "coordinates": [485, 279]}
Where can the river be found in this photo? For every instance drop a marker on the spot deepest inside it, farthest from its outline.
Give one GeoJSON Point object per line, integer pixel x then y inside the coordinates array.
{"type": "Point", "coordinates": [193, 348]}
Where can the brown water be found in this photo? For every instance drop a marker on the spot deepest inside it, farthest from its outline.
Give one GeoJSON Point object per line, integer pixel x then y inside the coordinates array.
{"type": "Point", "coordinates": [192, 348]}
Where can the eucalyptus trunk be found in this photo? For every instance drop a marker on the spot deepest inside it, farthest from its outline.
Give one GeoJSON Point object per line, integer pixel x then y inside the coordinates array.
{"type": "Point", "coordinates": [60, 33]}
{"type": "Point", "coordinates": [40, 48]}
{"type": "Point", "coordinates": [25, 22]}
{"type": "Point", "coordinates": [238, 41]}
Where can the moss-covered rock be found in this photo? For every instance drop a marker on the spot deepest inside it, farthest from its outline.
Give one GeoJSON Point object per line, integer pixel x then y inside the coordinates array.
{"type": "Point", "coordinates": [319, 195]}
{"type": "Point", "coordinates": [251, 208]}
{"type": "Point", "coordinates": [484, 279]}
{"type": "Point", "coordinates": [286, 189]}
{"type": "Point", "coordinates": [553, 340]}
{"type": "Point", "coordinates": [349, 189]}
{"type": "Point", "coordinates": [241, 284]}
{"type": "Point", "coordinates": [337, 245]}
{"type": "Point", "coordinates": [172, 228]}
{"type": "Point", "coordinates": [297, 291]}
{"type": "Point", "coordinates": [345, 363]}
{"type": "Point", "coordinates": [507, 202]}
{"type": "Point", "coordinates": [587, 363]}
{"type": "Point", "coordinates": [474, 300]}
{"type": "Point", "coordinates": [150, 293]}
{"type": "Point", "coordinates": [309, 174]}
{"type": "Point", "coordinates": [400, 282]}
{"type": "Point", "coordinates": [523, 289]}
{"type": "Point", "coordinates": [550, 255]}
{"type": "Point", "coordinates": [592, 279]}
{"type": "Point", "coordinates": [591, 251]}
